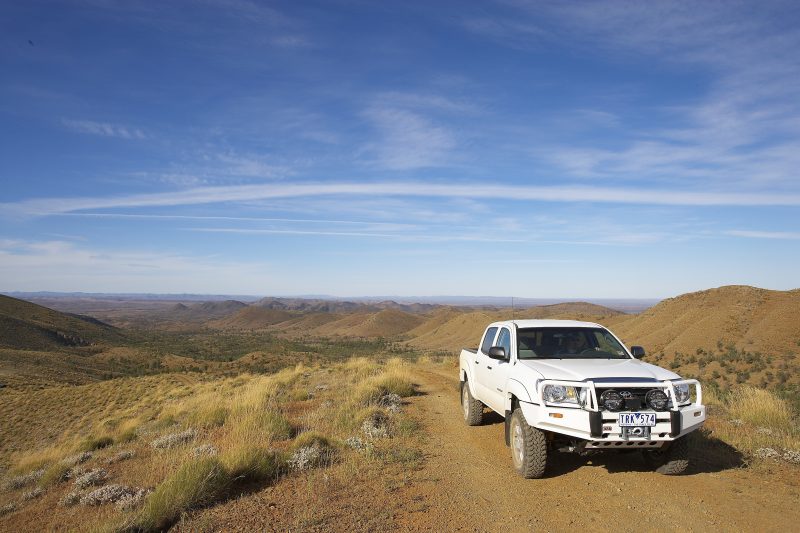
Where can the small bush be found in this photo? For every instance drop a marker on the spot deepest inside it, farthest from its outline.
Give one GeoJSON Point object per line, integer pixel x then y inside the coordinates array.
{"type": "Point", "coordinates": [32, 494]}
{"type": "Point", "coordinates": [93, 477]}
{"type": "Point", "coordinates": [23, 480]}
{"type": "Point", "coordinates": [125, 497]}
{"type": "Point", "coordinates": [7, 509]}
{"type": "Point", "coordinates": [124, 455]}
{"type": "Point", "coordinates": [376, 425]}
{"type": "Point", "coordinates": [197, 482]}
{"type": "Point", "coordinates": [204, 450]}
{"type": "Point", "coordinates": [305, 458]}
{"type": "Point", "coordinates": [173, 439]}
{"type": "Point", "coordinates": [70, 499]}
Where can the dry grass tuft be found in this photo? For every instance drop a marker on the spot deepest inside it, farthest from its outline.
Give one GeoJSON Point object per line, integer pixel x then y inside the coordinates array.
{"type": "Point", "coordinates": [759, 407]}
{"type": "Point", "coordinates": [756, 422]}
{"type": "Point", "coordinates": [395, 380]}
{"type": "Point", "coordinates": [95, 443]}
{"type": "Point", "coordinates": [195, 483]}
{"type": "Point", "coordinates": [253, 463]}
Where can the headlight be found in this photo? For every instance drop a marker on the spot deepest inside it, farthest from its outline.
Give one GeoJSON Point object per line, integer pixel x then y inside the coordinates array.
{"type": "Point", "coordinates": [682, 393]}
{"type": "Point", "coordinates": [560, 394]}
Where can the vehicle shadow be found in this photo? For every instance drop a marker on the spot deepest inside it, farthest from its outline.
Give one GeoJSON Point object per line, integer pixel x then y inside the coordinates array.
{"type": "Point", "coordinates": [707, 454]}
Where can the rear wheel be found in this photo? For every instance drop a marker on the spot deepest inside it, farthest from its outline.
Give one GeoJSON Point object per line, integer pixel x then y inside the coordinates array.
{"type": "Point", "coordinates": [472, 408]}
{"type": "Point", "coordinates": [670, 461]}
{"type": "Point", "coordinates": [528, 447]}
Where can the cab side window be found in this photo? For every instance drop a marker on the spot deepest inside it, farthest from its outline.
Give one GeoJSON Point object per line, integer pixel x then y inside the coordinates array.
{"type": "Point", "coordinates": [504, 340]}
{"type": "Point", "coordinates": [488, 339]}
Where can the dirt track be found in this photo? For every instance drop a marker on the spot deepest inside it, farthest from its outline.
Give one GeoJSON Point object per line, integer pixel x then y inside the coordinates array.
{"type": "Point", "coordinates": [467, 483]}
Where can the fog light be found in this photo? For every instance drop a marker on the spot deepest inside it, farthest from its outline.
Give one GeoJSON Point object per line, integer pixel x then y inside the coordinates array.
{"type": "Point", "coordinates": [611, 400]}
{"type": "Point", "coordinates": [656, 400]}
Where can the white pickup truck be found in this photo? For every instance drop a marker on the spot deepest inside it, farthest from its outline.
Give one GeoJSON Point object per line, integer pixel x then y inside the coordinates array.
{"type": "Point", "coordinates": [574, 386]}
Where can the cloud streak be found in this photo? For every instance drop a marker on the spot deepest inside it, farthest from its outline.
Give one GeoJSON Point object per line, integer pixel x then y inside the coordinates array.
{"type": "Point", "coordinates": [781, 235]}
{"type": "Point", "coordinates": [104, 129]}
{"type": "Point", "coordinates": [248, 193]}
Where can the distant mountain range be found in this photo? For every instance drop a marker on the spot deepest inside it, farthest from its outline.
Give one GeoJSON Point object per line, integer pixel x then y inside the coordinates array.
{"type": "Point", "coordinates": [344, 304]}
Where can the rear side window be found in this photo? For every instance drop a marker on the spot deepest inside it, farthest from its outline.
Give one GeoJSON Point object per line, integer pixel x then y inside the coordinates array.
{"type": "Point", "coordinates": [487, 339]}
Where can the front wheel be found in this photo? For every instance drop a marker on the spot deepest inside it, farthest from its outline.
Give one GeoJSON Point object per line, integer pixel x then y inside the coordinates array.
{"type": "Point", "coordinates": [528, 447]}
{"type": "Point", "coordinates": [671, 461]}
{"type": "Point", "coordinates": [472, 408]}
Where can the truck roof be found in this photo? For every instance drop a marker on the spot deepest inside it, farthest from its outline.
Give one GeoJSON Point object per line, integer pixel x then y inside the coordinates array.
{"type": "Point", "coordinates": [538, 323]}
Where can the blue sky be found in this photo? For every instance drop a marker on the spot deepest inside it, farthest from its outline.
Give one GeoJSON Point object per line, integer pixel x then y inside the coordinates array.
{"type": "Point", "coordinates": [353, 148]}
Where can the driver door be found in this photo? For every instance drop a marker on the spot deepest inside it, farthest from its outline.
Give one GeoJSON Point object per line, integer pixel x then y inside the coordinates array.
{"type": "Point", "coordinates": [496, 373]}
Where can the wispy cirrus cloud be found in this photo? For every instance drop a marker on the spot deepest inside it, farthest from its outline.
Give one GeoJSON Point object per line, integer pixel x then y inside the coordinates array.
{"type": "Point", "coordinates": [104, 129]}
{"type": "Point", "coordinates": [247, 193]}
{"type": "Point", "coordinates": [772, 235]}
{"type": "Point", "coordinates": [407, 140]}
{"type": "Point", "coordinates": [743, 127]}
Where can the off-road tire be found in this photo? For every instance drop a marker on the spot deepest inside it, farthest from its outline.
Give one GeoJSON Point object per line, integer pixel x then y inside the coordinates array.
{"type": "Point", "coordinates": [472, 409]}
{"type": "Point", "coordinates": [528, 447]}
{"type": "Point", "coordinates": [672, 461]}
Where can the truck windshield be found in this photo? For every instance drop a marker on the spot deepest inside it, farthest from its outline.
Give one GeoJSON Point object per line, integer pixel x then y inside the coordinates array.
{"type": "Point", "coordinates": [568, 343]}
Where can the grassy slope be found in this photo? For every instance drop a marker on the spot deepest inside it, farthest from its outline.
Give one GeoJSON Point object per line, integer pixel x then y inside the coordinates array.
{"type": "Point", "coordinates": [255, 424]}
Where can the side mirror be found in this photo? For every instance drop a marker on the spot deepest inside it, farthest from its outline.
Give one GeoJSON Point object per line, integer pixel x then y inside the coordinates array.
{"type": "Point", "coordinates": [497, 352]}
{"type": "Point", "coordinates": [637, 352]}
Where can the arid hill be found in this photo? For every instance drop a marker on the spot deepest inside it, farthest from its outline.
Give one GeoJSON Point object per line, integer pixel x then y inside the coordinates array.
{"type": "Point", "coordinates": [27, 326]}
{"type": "Point", "coordinates": [751, 319]}
{"type": "Point", "coordinates": [387, 323]}
{"type": "Point", "coordinates": [450, 330]}
{"type": "Point", "coordinates": [253, 317]}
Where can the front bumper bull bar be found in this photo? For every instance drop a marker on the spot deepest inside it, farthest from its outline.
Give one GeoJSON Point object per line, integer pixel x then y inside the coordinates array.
{"type": "Point", "coordinates": [602, 428]}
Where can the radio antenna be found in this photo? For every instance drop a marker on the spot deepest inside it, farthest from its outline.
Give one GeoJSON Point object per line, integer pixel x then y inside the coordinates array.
{"type": "Point", "coordinates": [512, 308]}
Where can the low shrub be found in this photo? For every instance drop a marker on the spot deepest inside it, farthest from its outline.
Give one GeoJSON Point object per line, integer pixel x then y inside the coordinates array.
{"type": "Point", "coordinates": [174, 439]}
{"type": "Point", "coordinates": [93, 477]}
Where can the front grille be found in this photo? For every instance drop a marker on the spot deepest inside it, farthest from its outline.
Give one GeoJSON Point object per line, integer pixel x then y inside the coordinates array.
{"type": "Point", "coordinates": [633, 398]}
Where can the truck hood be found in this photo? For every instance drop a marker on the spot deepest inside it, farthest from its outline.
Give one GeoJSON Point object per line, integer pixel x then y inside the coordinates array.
{"type": "Point", "coordinates": [598, 369]}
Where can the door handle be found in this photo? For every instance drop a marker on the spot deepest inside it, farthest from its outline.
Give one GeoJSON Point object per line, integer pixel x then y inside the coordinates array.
{"type": "Point", "coordinates": [487, 366]}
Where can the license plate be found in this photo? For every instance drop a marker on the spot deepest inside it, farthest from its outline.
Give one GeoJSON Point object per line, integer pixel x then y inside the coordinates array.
{"type": "Point", "coordinates": [637, 419]}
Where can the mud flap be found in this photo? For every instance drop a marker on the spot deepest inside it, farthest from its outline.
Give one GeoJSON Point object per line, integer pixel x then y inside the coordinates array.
{"type": "Point", "coordinates": [675, 423]}
{"type": "Point", "coordinates": [507, 424]}
{"type": "Point", "coordinates": [596, 424]}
